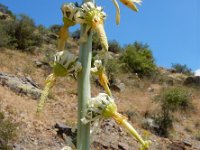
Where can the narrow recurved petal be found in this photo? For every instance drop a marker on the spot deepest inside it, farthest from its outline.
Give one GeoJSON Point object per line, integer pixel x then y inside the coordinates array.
{"type": "Point", "coordinates": [102, 36]}
{"type": "Point", "coordinates": [63, 36]}
{"type": "Point", "coordinates": [117, 11]}
{"type": "Point", "coordinates": [131, 4]}
{"type": "Point", "coordinates": [48, 85]}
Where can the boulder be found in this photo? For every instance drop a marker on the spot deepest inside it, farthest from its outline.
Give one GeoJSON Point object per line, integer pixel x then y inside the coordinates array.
{"type": "Point", "coordinates": [67, 133]}
{"type": "Point", "coordinates": [23, 85]}
{"type": "Point", "coordinates": [192, 81]}
{"type": "Point", "coordinates": [118, 86]}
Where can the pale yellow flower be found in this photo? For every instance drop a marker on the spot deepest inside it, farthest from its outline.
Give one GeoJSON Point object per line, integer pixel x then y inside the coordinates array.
{"type": "Point", "coordinates": [129, 3]}
{"type": "Point", "coordinates": [93, 17]}
{"type": "Point", "coordinates": [103, 106]}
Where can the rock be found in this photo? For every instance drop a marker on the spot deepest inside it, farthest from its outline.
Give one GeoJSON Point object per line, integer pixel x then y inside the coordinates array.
{"type": "Point", "coordinates": [29, 80]}
{"type": "Point", "coordinates": [66, 148]}
{"type": "Point", "coordinates": [119, 87]}
{"type": "Point", "coordinates": [43, 65]}
{"type": "Point", "coordinates": [38, 63]}
{"type": "Point", "coordinates": [123, 146]}
{"type": "Point", "coordinates": [63, 130]}
{"type": "Point", "coordinates": [24, 85]}
{"type": "Point", "coordinates": [177, 145]}
{"type": "Point", "coordinates": [192, 81]}
{"type": "Point", "coordinates": [150, 89]}
{"type": "Point", "coordinates": [149, 123]}
{"type": "Point", "coordinates": [18, 147]}
{"type": "Point", "coordinates": [187, 143]}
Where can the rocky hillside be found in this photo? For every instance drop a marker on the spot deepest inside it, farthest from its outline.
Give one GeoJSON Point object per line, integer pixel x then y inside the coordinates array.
{"type": "Point", "coordinates": [22, 79]}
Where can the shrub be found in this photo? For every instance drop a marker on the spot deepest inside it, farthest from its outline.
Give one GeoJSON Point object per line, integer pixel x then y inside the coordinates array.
{"type": "Point", "coordinates": [171, 99]}
{"type": "Point", "coordinates": [25, 33]}
{"type": "Point", "coordinates": [76, 34]}
{"type": "Point", "coordinates": [96, 45]}
{"type": "Point", "coordinates": [112, 69]}
{"type": "Point", "coordinates": [4, 9]}
{"type": "Point", "coordinates": [114, 47]}
{"type": "Point", "coordinates": [55, 28]}
{"type": "Point", "coordinates": [7, 132]}
{"type": "Point", "coordinates": [164, 121]}
{"type": "Point", "coordinates": [174, 98]}
{"type": "Point", "coordinates": [5, 38]}
{"type": "Point", "coordinates": [138, 59]}
{"type": "Point", "coordinates": [197, 136]}
{"type": "Point", "coordinates": [178, 68]}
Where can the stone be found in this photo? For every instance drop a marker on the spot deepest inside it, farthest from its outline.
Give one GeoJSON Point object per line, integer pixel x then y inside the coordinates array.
{"type": "Point", "coordinates": [18, 147]}
{"type": "Point", "coordinates": [119, 87]}
{"type": "Point", "coordinates": [63, 130]}
{"type": "Point", "coordinates": [192, 81]}
{"type": "Point", "coordinates": [150, 89]}
{"type": "Point", "coordinates": [41, 64]}
{"type": "Point", "coordinates": [177, 145]}
{"type": "Point", "coordinates": [23, 85]}
{"type": "Point", "coordinates": [123, 146]}
{"type": "Point", "coordinates": [149, 123]}
{"type": "Point", "coordinates": [187, 143]}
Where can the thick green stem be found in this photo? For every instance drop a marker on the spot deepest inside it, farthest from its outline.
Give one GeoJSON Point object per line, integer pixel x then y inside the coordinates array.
{"type": "Point", "coordinates": [84, 93]}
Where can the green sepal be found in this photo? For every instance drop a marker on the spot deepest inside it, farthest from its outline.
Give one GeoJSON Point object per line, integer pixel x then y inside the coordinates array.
{"type": "Point", "coordinates": [68, 22]}
{"type": "Point", "coordinates": [109, 110]}
{"type": "Point", "coordinates": [59, 70]}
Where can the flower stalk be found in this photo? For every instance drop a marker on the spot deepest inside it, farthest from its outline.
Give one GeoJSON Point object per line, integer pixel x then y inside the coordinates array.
{"type": "Point", "coordinates": [84, 93]}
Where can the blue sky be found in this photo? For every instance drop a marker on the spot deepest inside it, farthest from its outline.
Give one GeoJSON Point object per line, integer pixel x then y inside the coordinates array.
{"type": "Point", "coordinates": [170, 27]}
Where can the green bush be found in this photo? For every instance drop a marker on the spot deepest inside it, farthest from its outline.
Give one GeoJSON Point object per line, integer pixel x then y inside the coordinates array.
{"type": "Point", "coordinates": [175, 98]}
{"type": "Point", "coordinates": [114, 47]}
{"type": "Point", "coordinates": [8, 33]}
{"type": "Point", "coordinates": [20, 33]}
{"type": "Point", "coordinates": [112, 69]}
{"type": "Point", "coordinates": [197, 136]}
{"type": "Point", "coordinates": [55, 28]}
{"type": "Point", "coordinates": [171, 99]}
{"type": "Point", "coordinates": [7, 132]}
{"type": "Point", "coordinates": [5, 38]}
{"type": "Point", "coordinates": [178, 68]}
{"type": "Point", "coordinates": [96, 45]}
{"type": "Point", "coordinates": [138, 59]}
{"type": "Point", "coordinates": [25, 33]}
{"type": "Point", "coordinates": [164, 121]}
{"type": "Point", "coordinates": [4, 9]}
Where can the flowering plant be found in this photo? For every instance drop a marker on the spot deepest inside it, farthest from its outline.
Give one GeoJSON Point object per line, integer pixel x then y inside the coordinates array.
{"type": "Point", "coordinates": [91, 18]}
